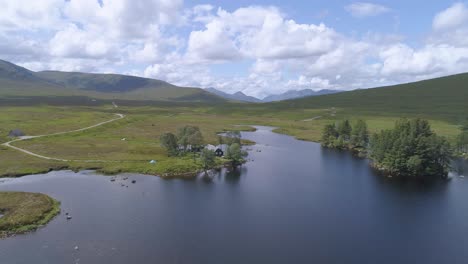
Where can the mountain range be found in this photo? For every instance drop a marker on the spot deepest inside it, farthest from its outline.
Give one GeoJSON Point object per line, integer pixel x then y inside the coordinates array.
{"type": "Point", "coordinates": [239, 96]}
{"type": "Point", "coordinates": [19, 81]}
{"type": "Point", "coordinates": [444, 97]}
{"type": "Point", "coordinates": [291, 94]}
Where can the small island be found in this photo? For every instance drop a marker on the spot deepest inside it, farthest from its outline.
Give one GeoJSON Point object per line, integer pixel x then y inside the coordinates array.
{"type": "Point", "coordinates": [23, 212]}
{"type": "Point", "coordinates": [189, 144]}
{"type": "Point", "coordinates": [410, 149]}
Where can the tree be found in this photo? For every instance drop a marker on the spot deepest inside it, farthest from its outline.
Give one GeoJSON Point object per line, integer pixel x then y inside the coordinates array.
{"type": "Point", "coordinates": [169, 142]}
{"type": "Point", "coordinates": [233, 137]}
{"type": "Point", "coordinates": [208, 159]}
{"type": "Point", "coordinates": [411, 149]}
{"type": "Point", "coordinates": [464, 125]}
{"type": "Point", "coordinates": [462, 142]}
{"type": "Point", "coordinates": [236, 154]}
{"type": "Point", "coordinates": [329, 135]}
{"type": "Point", "coordinates": [190, 135]}
{"type": "Point", "coordinates": [220, 140]}
{"type": "Point", "coordinates": [360, 134]}
{"type": "Point", "coordinates": [344, 129]}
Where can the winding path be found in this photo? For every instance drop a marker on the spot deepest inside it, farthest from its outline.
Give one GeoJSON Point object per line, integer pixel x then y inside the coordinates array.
{"type": "Point", "coordinates": [312, 119]}
{"type": "Point", "coordinates": [8, 144]}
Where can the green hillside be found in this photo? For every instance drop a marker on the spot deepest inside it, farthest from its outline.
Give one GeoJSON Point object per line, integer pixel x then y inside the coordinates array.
{"type": "Point", "coordinates": [444, 98]}
{"type": "Point", "coordinates": [17, 81]}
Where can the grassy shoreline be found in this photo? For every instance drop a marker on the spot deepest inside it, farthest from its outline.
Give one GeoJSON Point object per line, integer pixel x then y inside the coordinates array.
{"type": "Point", "coordinates": [25, 212]}
{"type": "Point", "coordinates": [129, 144]}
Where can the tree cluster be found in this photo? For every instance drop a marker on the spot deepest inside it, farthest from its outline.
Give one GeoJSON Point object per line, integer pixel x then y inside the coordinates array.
{"type": "Point", "coordinates": [188, 136]}
{"type": "Point", "coordinates": [343, 135]}
{"type": "Point", "coordinates": [410, 149]}
{"type": "Point", "coordinates": [235, 153]}
{"type": "Point", "coordinates": [462, 139]}
{"type": "Point", "coordinates": [190, 139]}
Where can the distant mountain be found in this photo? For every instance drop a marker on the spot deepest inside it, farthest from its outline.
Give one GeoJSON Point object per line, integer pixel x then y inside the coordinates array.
{"type": "Point", "coordinates": [102, 82]}
{"type": "Point", "coordinates": [239, 96]}
{"type": "Point", "coordinates": [444, 98]}
{"type": "Point", "coordinates": [13, 72]}
{"type": "Point", "coordinates": [293, 94]}
{"type": "Point", "coordinates": [19, 81]}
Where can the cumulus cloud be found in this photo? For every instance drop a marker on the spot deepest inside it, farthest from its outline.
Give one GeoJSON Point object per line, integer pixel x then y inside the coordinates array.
{"type": "Point", "coordinates": [451, 26]}
{"type": "Point", "coordinates": [445, 51]}
{"type": "Point", "coordinates": [212, 44]}
{"type": "Point", "coordinates": [364, 9]}
{"type": "Point", "coordinates": [259, 32]}
{"type": "Point", "coordinates": [273, 52]}
{"type": "Point", "coordinates": [452, 17]}
{"type": "Point", "coordinates": [38, 14]}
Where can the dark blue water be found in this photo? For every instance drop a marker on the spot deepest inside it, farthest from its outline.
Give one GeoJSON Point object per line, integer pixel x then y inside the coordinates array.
{"type": "Point", "coordinates": [295, 203]}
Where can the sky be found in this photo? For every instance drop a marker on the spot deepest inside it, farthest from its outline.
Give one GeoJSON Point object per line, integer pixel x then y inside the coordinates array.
{"type": "Point", "coordinates": [259, 47]}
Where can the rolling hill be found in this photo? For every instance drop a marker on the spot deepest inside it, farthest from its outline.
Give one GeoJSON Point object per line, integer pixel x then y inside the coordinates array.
{"type": "Point", "coordinates": [445, 97]}
{"type": "Point", "coordinates": [239, 96]}
{"type": "Point", "coordinates": [18, 81]}
{"type": "Point", "coordinates": [293, 94]}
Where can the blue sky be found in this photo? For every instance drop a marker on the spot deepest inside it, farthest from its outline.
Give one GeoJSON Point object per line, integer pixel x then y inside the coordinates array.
{"type": "Point", "coordinates": [259, 47]}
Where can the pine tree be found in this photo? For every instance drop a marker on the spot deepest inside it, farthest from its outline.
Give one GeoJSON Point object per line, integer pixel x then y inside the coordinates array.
{"type": "Point", "coordinates": [411, 149]}
{"type": "Point", "coordinates": [360, 134]}
{"type": "Point", "coordinates": [169, 142]}
{"type": "Point", "coordinates": [344, 129]}
{"type": "Point", "coordinates": [329, 135]}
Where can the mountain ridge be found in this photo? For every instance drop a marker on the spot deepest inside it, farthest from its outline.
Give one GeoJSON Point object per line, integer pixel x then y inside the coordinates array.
{"type": "Point", "coordinates": [19, 81]}
{"type": "Point", "coordinates": [291, 94]}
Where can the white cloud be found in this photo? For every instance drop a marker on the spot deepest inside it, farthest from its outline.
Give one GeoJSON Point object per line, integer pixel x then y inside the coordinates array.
{"type": "Point", "coordinates": [259, 32]}
{"type": "Point", "coordinates": [84, 44]}
{"type": "Point", "coordinates": [400, 61]}
{"type": "Point", "coordinates": [364, 9]}
{"type": "Point", "coordinates": [453, 17]}
{"type": "Point", "coordinates": [303, 82]}
{"type": "Point", "coordinates": [451, 26]}
{"type": "Point", "coordinates": [213, 44]}
{"type": "Point", "coordinates": [18, 15]}
{"type": "Point", "coordinates": [445, 51]}
{"type": "Point", "coordinates": [273, 52]}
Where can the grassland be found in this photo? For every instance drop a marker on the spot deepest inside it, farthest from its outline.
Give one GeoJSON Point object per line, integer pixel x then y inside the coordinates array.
{"type": "Point", "coordinates": [442, 101]}
{"type": "Point", "coordinates": [142, 127]}
{"type": "Point", "coordinates": [24, 212]}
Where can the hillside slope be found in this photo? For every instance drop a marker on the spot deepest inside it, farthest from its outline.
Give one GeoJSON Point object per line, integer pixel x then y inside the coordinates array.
{"type": "Point", "coordinates": [18, 81]}
{"type": "Point", "coordinates": [445, 97]}
{"type": "Point", "coordinates": [293, 94]}
{"type": "Point", "coordinates": [239, 96]}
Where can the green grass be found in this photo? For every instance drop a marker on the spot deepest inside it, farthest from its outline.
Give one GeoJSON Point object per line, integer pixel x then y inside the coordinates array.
{"type": "Point", "coordinates": [24, 212]}
{"type": "Point", "coordinates": [142, 127]}
{"type": "Point", "coordinates": [442, 98]}
{"type": "Point", "coordinates": [47, 120]}
{"type": "Point", "coordinates": [17, 81]}
{"type": "Point", "coordinates": [441, 101]}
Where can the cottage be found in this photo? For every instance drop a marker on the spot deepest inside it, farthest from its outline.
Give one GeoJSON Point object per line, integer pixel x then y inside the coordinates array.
{"type": "Point", "coordinates": [219, 152]}
{"type": "Point", "coordinates": [210, 147]}
{"type": "Point", "coordinates": [190, 148]}
{"type": "Point", "coordinates": [16, 133]}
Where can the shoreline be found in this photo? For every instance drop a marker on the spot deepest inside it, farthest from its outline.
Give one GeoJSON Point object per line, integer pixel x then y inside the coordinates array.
{"type": "Point", "coordinates": [23, 228]}
{"type": "Point", "coordinates": [169, 175]}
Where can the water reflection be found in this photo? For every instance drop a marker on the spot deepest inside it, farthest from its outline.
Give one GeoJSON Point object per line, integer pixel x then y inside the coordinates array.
{"type": "Point", "coordinates": [233, 175]}
{"type": "Point", "coordinates": [316, 205]}
{"type": "Point", "coordinates": [230, 175]}
{"type": "Point", "coordinates": [459, 167]}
